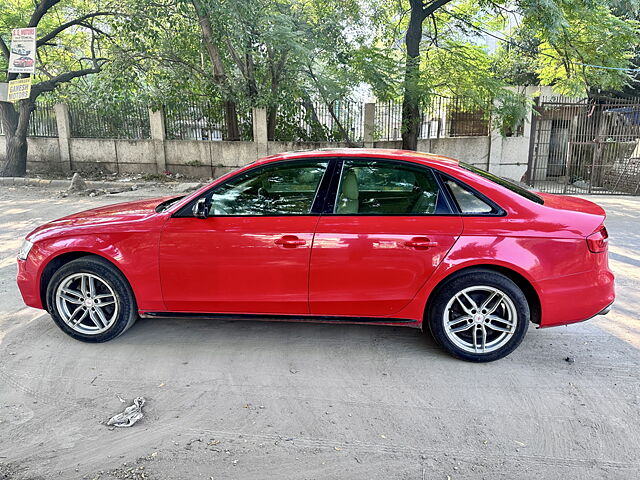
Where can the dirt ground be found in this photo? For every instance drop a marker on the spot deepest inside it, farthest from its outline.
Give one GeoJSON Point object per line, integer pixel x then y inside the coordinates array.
{"type": "Point", "coordinates": [247, 400]}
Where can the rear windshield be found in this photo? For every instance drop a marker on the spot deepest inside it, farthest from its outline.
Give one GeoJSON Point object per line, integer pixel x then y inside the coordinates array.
{"type": "Point", "coordinates": [505, 183]}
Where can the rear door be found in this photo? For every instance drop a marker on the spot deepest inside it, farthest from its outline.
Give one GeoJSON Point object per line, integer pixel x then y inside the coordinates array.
{"type": "Point", "coordinates": [385, 229]}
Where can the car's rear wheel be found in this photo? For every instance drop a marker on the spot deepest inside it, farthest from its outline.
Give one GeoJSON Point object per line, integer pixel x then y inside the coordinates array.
{"type": "Point", "coordinates": [479, 315]}
{"type": "Point", "coordinates": [90, 300]}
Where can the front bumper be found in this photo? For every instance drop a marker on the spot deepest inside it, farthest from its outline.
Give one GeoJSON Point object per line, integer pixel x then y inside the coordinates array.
{"type": "Point", "coordinates": [29, 283]}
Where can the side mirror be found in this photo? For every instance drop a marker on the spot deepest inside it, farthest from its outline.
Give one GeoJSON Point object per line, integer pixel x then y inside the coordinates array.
{"type": "Point", "coordinates": [201, 208]}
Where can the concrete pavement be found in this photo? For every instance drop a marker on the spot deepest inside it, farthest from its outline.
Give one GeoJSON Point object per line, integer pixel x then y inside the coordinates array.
{"type": "Point", "coordinates": [247, 399]}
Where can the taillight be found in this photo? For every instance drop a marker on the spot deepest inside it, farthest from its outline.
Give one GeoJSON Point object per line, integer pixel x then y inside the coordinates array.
{"type": "Point", "coordinates": [597, 241]}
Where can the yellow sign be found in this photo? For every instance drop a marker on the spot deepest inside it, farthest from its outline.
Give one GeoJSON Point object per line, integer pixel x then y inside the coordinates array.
{"type": "Point", "coordinates": [19, 89]}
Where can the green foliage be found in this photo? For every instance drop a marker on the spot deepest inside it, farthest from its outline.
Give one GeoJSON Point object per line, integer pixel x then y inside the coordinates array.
{"type": "Point", "coordinates": [73, 48]}
{"type": "Point", "coordinates": [278, 53]}
{"type": "Point", "coordinates": [586, 35]}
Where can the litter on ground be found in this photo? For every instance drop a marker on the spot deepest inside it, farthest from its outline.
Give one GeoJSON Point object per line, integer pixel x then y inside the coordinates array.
{"type": "Point", "coordinates": [129, 416]}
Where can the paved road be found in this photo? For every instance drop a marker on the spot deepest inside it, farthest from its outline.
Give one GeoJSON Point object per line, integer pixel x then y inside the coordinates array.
{"type": "Point", "coordinates": [274, 400]}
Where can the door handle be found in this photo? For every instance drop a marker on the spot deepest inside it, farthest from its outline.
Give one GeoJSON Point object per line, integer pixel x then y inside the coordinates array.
{"type": "Point", "coordinates": [420, 243]}
{"type": "Point", "coordinates": [290, 241]}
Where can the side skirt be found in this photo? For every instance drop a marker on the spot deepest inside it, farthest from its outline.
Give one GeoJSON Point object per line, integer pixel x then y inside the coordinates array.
{"type": "Point", "coordinates": [285, 318]}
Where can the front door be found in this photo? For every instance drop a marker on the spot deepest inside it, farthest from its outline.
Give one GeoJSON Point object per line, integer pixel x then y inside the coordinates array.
{"type": "Point", "coordinates": [388, 231]}
{"type": "Point", "coordinates": [251, 255]}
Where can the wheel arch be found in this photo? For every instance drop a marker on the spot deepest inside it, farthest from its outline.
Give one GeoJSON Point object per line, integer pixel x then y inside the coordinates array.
{"type": "Point", "coordinates": [531, 294]}
{"type": "Point", "coordinates": [55, 263]}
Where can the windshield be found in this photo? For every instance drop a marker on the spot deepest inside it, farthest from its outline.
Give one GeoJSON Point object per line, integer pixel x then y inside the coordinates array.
{"type": "Point", "coordinates": [505, 183]}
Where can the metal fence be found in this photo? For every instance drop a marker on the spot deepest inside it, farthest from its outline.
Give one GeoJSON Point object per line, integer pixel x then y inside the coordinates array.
{"type": "Point", "coordinates": [388, 121]}
{"type": "Point", "coordinates": [42, 122]}
{"type": "Point", "coordinates": [587, 146]}
{"type": "Point", "coordinates": [339, 121]}
{"type": "Point", "coordinates": [120, 120]}
{"type": "Point", "coordinates": [439, 117]}
{"type": "Point", "coordinates": [204, 120]}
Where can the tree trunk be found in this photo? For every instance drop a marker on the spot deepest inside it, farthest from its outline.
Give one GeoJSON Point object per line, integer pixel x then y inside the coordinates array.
{"type": "Point", "coordinates": [218, 70]}
{"type": "Point", "coordinates": [317, 129]}
{"type": "Point", "coordinates": [410, 102]}
{"type": "Point", "coordinates": [16, 150]}
{"type": "Point", "coordinates": [15, 124]}
{"type": "Point", "coordinates": [272, 115]}
{"type": "Point", "coordinates": [231, 120]}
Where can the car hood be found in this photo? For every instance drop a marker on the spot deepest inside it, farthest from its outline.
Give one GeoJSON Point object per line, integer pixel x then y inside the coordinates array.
{"type": "Point", "coordinates": [119, 213]}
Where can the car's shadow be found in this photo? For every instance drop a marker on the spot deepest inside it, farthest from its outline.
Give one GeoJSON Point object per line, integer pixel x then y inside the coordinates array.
{"type": "Point", "coordinates": [276, 334]}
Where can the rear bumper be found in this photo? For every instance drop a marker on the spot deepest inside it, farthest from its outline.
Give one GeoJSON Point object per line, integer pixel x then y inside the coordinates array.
{"type": "Point", "coordinates": [576, 298]}
{"type": "Point", "coordinates": [605, 310]}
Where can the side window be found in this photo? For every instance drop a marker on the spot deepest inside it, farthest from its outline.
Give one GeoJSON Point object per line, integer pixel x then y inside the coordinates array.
{"type": "Point", "coordinates": [281, 189]}
{"type": "Point", "coordinates": [387, 188]}
{"type": "Point", "coordinates": [468, 202]}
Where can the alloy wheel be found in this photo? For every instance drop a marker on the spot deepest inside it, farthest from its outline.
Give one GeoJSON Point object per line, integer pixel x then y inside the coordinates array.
{"type": "Point", "coordinates": [480, 319]}
{"type": "Point", "coordinates": [86, 303]}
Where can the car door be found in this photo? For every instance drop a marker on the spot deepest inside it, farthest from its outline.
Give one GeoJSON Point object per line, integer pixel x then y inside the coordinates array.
{"type": "Point", "coordinates": [386, 228]}
{"type": "Point", "coordinates": [251, 254]}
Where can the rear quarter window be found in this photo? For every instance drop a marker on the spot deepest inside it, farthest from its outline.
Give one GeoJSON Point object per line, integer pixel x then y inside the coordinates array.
{"type": "Point", "coordinates": [523, 192]}
{"type": "Point", "coordinates": [468, 203]}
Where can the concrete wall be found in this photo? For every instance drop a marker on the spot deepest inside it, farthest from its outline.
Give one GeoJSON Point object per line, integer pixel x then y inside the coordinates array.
{"type": "Point", "coordinates": [43, 154]}
{"type": "Point", "coordinates": [504, 156]}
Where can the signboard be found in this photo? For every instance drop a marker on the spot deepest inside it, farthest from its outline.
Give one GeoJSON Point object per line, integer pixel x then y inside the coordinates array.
{"type": "Point", "coordinates": [23, 51]}
{"type": "Point", "coordinates": [19, 89]}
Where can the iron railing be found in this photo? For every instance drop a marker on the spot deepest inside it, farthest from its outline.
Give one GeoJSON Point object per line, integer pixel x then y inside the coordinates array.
{"type": "Point", "coordinates": [119, 120]}
{"type": "Point", "coordinates": [338, 121]}
{"type": "Point", "coordinates": [587, 145]}
{"type": "Point", "coordinates": [42, 122]}
{"type": "Point", "coordinates": [204, 120]}
{"type": "Point", "coordinates": [440, 117]}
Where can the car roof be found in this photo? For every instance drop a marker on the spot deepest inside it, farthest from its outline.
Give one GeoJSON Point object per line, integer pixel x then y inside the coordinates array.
{"type": "Point", "coordinates": [388, 153]}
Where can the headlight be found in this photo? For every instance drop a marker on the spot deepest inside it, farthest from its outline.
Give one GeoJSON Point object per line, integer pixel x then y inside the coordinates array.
{"type": "Point", "coordinates": [23, 253]}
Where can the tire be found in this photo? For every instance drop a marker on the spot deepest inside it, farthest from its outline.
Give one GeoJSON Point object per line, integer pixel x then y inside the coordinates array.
{"type": "Point", "coordinates": [458, 316]}
{"type": "Point", "coordinates": [91, 301]}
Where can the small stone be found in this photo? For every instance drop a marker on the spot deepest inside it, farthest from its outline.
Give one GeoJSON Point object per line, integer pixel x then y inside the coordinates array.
{"type": "Point", "coordinates": [77, 183]}
{"type": "Point", "coordinates": [570, 360]}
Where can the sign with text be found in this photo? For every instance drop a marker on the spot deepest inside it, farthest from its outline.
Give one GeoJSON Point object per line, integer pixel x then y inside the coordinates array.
{"type": "Point", "coordinates": [23, 51]}
{"type": "Point", "coordinates": [19, 89]}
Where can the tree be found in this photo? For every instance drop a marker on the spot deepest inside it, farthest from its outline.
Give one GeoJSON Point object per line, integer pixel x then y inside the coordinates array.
{"type": "Point", "coordinates": [67, 48]}
{"type": "Point", "coordinates": [266, 53]}
{"type": "Point", "coordinates": [420, 10]}
{"type": "Point", "coordinates": [571, 37]}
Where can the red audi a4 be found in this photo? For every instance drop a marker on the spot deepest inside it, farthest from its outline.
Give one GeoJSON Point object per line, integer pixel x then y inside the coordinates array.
{"type": "Point", "coordinates": [383, 237]}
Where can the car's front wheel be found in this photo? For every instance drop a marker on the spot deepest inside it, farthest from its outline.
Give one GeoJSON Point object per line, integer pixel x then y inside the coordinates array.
{"type": "Point", "coordinates": [479, 315]}
{"type": "Point", "coordinates": [90, 300]}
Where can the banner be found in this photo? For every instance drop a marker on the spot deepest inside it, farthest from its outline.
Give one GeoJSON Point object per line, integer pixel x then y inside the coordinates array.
{"type": "Point", "coordinates": [19, 89]}
{"type": "Point", "coordinates": [23, 51]}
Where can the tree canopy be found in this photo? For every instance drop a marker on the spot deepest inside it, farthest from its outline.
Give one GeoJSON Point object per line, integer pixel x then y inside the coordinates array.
{"type": "Point", "coordinates": [278, 53]}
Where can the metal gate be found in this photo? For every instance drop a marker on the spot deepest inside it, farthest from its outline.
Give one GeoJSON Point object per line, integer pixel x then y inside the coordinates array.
{"type": "Point", "coordinates": [585, 146]}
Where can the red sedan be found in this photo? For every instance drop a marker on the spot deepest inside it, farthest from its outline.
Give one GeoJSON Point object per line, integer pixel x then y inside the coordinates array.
{"type": "Point", "coordinates": [23, 62]}
{"type": "Point", "coordinates": [348, 236]}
